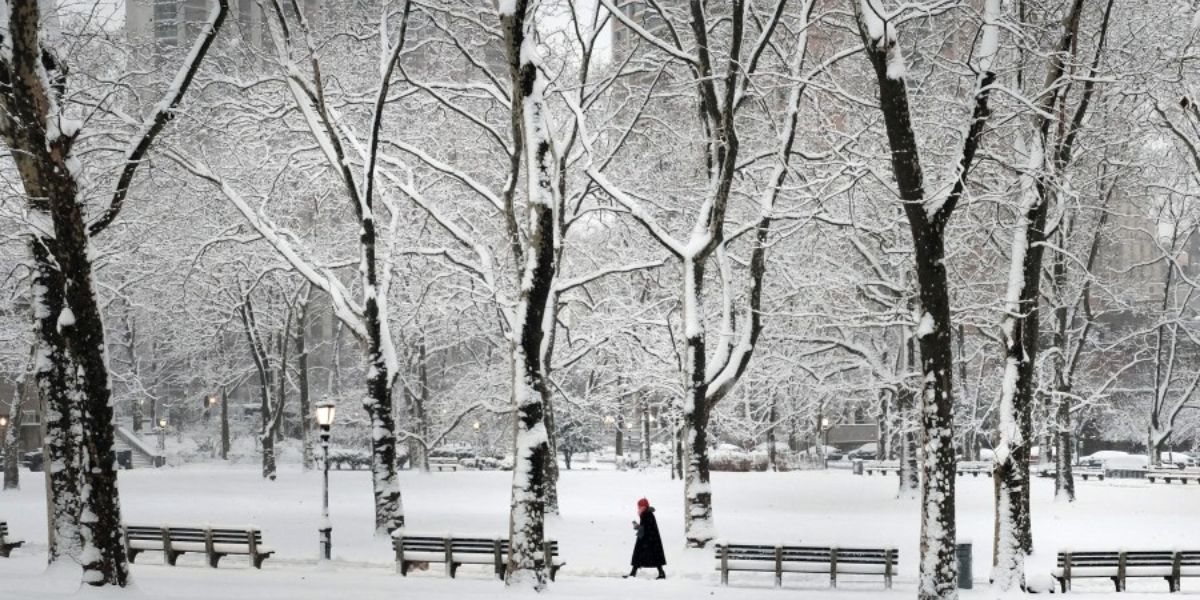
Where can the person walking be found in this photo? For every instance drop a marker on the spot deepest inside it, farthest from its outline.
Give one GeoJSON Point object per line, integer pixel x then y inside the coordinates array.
{"type": "Point", "coordinates": [648, 550]}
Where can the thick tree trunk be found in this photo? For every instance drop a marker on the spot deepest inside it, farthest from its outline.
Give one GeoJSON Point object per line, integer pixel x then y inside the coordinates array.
{"type": "Point", "coordinates": [1020, 327]}
{"type": "Point", "coordinates": [63, 436]}
{"type": "Point", "coordinates": [81, 415]}
{"type": "Point", "coordinates": [927, 222]}
{"type": "Point", "coordinates": [11, 442]}
{"type": "Point", "coordinates": [938, 526]}
{"type": "Point", "coordinates": [699, 528]}
{"type": "Point", "coordinates": [1064, 478]}
{"type": "Point", "coordinates": [552, 451]}
{"type": "Point", "coordinates": [526, 565]}
{"type": "Point", "coordinates": [420, 402]}
{"type": "Point", "coordinates": [72, 372]}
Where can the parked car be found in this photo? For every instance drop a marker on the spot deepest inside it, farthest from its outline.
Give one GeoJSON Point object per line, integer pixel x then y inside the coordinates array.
{"type": "Point", "coordinates": [1177, 459]}
{"type": "Point", "coordinates": [1114, 459]}
{"type": "Point", "coordinates": [864, 452]}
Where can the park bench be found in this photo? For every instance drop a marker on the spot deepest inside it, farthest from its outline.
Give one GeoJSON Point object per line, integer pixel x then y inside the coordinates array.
{"type": "Point", "coordinates": [1169, 475]}
{"type": "Point", "coordinates": [214, 542]}
{"type": "Point", "coordinates": [882, 467]}
{"type": "Point", "coordinates": [1119, 566]}
{"type": "Point", "coordinates": [974, 468]}
{"type": "Point", "coordinates": [455, 552]}
{"type": "Point", "coordinates": [7, 545]}
{"type": "Point", "coordinates": [443, 463]}
{"type": "Point", "coordinates": [780, 559]}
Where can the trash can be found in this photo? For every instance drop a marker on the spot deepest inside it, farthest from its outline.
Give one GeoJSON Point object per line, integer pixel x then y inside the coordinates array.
{"type": "Point", "coordinates": [962, 553]}
{"type": "Point", "coordinates": [124, 459]}
{"type": "Point", "coordinates": [33, 460]}
{"type": "Point", "coordinates": [858, 466]}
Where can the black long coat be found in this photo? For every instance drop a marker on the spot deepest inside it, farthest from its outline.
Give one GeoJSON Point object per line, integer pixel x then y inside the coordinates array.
{"type": "Point", "coordinates": [648, 551]}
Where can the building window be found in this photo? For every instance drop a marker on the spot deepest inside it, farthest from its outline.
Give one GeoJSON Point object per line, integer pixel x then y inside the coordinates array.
{"type": "Point", "coordinates": [166, 16]}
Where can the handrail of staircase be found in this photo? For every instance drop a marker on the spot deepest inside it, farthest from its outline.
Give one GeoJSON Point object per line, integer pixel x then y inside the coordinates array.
{"type": "Point", "coordinates": [136, 443]}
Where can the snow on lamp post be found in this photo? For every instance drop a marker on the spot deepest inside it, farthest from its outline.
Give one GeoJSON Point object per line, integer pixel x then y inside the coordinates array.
{"type": "Point", "coordinates": [325, 412]}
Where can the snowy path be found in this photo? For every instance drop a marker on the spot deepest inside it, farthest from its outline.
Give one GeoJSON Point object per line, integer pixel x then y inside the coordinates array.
{"type": "Point", "coordinates": [815, 507]}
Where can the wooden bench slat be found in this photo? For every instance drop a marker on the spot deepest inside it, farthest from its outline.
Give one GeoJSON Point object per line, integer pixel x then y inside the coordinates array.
{"type": "Point", "coordinates": [214, 542]}
{"type": "Point", "coordinates": [806, 559]}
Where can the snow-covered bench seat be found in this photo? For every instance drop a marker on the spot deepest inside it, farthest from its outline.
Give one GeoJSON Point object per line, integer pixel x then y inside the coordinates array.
{"type": "Point", "coordinates": [779, 559]}
{"type": "Point", "coordinates": [974, 468]}
{"type": "Point", "coordinates": [1171, 565]}
{"type": "Point", "coordinates": [883, 467]}
{"type": "Point", "coordinates": [458, 551]}
{"type": "Point", "coordinates": [214, 542]}
{"type": "Point", "coordinates": [443, 463]}
{"type": "Point", "coordinates": [1169, 475]}
{"type": "Point", "coordinates": [7, 545]}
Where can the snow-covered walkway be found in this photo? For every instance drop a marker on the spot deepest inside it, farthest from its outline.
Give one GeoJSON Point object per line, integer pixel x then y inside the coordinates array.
{"type": "Point", "coordinates": [594, 531]}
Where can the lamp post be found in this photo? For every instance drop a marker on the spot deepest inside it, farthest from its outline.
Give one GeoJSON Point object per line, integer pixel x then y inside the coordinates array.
{"type": "Point", "coordinates": [478, 442]}
{"type": "Point", "coordinates": [161, 459]}
{"type": "Point", "coordinates": [325, 411]}
{"type": "Point", "coordinates": [824, 442]}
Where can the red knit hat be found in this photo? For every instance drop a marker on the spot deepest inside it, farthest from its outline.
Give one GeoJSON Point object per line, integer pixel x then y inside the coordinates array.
{"type": "Point", "coordinates": [643, 503]}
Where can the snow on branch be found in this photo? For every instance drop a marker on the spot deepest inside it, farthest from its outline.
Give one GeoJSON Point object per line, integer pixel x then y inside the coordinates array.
{"type": "Point", "coordinates": [938, 209]}
{"type": "Point", "coordinates": [569, 284]}
{"type": "Point", "coordinates": [646, 35]}
{"type": "Point", "coordinates": [343, 306]}
{"type": "Point", "coordinates": [164, 111]}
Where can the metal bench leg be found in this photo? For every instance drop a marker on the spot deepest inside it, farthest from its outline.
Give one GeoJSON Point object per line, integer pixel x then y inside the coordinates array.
{"type": "Point", "coordinates": [724, 565]}
{"type": "Point", "coordinates": [833, 567]}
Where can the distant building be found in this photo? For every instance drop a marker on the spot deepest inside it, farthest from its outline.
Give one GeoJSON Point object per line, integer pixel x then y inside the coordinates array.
{"type": "Point", "coordinates": [640, 12]}
{"type": "Point", "coordinates": [162, 26]}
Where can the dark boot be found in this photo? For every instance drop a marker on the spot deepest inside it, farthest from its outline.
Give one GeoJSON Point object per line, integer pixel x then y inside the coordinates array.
{"type": "Point", "coordinates": [632, 573]}
{"type": "Point", "coordinates": [661, 574]}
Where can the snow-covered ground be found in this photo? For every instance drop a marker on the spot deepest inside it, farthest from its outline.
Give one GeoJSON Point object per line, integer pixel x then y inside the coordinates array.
{"type": "Point", "coordinates": [833, 507]}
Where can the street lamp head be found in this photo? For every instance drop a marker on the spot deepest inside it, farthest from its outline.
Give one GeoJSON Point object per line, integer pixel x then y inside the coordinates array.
{"type": "Point", "coordinates": [3, 421]}
{"type": "Point", "coordinates": [609, 420]}
{"type": "Point", "coordinates": [325, 412]}
{"type": "Point", "coordinates": [824, 422]}
{"type": "Point", "coordinates": [162, 423]}
{"type": "Point", "coordinates": [629, 425]}
{"type": "Point", "coordinates": [212, 400]}
{"type": "Point", "coordinates": [475, 426]}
